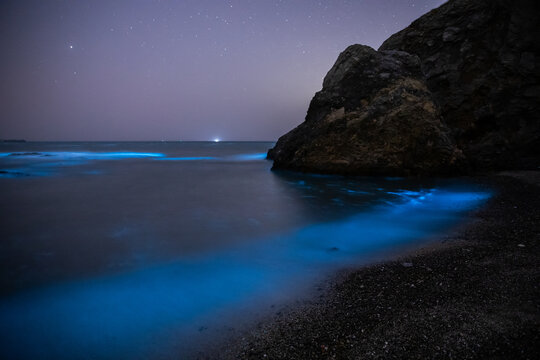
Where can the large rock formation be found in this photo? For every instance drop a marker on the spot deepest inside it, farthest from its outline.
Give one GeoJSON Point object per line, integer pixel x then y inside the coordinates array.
{"type": "Point", "coordinates": [374, 116]}
{"type": "Point", "coordinates": [457, 90]}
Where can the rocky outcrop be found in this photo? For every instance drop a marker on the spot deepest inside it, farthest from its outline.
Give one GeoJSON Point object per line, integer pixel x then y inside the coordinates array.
{"type": "Point", "coordinates": [373, 116]}
{"type": "Point", "coordinates": [481, 60]}
{"type": "Point", "coordinates": [458, 90]}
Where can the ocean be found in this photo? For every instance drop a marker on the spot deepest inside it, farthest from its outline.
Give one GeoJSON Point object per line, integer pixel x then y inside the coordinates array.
{"type": "Point", "coordinates": [164, 249]}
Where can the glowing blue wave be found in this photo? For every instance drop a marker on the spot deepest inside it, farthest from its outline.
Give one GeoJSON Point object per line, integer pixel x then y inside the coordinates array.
{"type": "Point", "coordinates": [238, 157]}
{"type": "Point", "coordinates": [120, 315]}
{"type": "Point", "coordinates": [44, 163]}
{"type": "Point", "coordinates": [249, 157]}
{"type": "Point", "coordinates": [25, 164]}
{"type": "Point", "coordinates": [79, 155]}
{"type": "Point", "coordinates": [124, 155]}
{"type": "Point", "coordinates": [189, 158]}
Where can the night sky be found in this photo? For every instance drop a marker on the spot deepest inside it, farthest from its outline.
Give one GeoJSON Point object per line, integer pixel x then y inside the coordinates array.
{"type": "Point", "coordinates": [176, 70]}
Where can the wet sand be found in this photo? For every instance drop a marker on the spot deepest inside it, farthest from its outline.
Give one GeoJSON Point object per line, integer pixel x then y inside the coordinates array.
{"type": "Point", "coordinates": [473, 295]}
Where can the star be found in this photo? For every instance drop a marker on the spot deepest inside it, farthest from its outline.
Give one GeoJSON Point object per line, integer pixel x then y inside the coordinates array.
{"type": "Point", "coordinates": [71, 46]}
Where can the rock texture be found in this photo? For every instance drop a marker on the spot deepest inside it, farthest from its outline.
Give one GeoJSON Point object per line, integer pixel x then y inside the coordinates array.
{"type": "Point", "coordinates": [375, 116]}
{"type": "Point", "coordinates": [458, 90]}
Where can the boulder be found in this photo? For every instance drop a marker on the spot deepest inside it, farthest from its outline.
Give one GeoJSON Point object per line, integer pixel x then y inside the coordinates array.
{"type": "Point", "coordinates": [374, 116]}
{"type": "Point", "coordinates": [456, 91]}
{"type": "Point", "coordinates": [481, 60]}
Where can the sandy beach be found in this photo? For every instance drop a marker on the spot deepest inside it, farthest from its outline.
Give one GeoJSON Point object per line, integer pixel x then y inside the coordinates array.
{"type": "Point", "coordinates": [472, 295]}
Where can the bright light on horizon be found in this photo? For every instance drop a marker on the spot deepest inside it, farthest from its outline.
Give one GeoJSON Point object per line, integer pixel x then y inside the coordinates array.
{"type": "Point", "coordinates": [217, 140]}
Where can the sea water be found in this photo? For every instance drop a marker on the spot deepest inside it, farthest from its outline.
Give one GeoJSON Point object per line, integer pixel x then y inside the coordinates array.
{"type": "Point", "coordinates": [161, 249]}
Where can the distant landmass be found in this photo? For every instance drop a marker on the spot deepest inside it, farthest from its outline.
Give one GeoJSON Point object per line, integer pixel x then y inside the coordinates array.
{"type": "Point", "coordinates": [14, 141]}
{"type": "Point", "coordinates": [457, 91]}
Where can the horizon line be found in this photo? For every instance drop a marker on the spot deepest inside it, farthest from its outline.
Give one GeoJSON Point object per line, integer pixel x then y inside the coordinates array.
{"type": "Point", "coordinates": [210, 141]}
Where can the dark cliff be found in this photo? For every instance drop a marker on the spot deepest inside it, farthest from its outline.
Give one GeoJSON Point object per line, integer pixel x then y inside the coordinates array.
{"type": "Point", "coordinates": [456, 91]}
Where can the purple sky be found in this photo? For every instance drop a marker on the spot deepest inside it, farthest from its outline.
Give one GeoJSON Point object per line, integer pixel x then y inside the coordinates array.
{"type": "Point", "coordinates": [176, 70]}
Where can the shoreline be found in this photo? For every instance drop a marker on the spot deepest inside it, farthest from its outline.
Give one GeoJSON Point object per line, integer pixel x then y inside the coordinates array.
{"type": "Point", "coordinates": [472, 293]}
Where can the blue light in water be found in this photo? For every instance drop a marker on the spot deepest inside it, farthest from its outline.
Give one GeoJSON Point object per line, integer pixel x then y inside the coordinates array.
{"type": "Point", "coordinates": [84, 155]}
{"type": "Point", "coordinates": [105, 156]}
{"type": "Point", "coordinates": [248, 157]}
{"type": "Point", "coordinates": [42, 163]}
{"type": "Point", "coordinates": [23, 154]}
{"type": "Point", "coordinates": [45, 163]}
{"type": "Point", "coordinates": [13, 173]}
{"type": "Point", "coordinates": [350, 191]}
{"type": "Point", "coordinates": [96, 317]}
{"type": "Point", "coordinates": [189, 158]}
{"type": "Point", "coordinates": [122, 315]}
{"type": "Point", "coordinates": [122, 155]}
{"type": "Point", "coordinates": [239, 157]}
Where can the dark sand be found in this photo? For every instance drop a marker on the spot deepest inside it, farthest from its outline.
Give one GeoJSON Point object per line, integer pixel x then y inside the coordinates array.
{"type": "Point", "coordinates": [474, 296]}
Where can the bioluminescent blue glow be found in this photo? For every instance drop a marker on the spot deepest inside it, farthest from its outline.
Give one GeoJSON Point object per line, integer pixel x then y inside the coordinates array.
{"type": "Point", "coordinates": [28, 164]}
{"type": "Point", "coordinates": [238, 157]}
{"type": "Point", "coordinates": [44, 163]}
{"type": "Point", "coordinates": [51, 160]}
{"type": "Point", "coordinates": [147, 251]}
{"type": "Point", "coordinates": [119, 155]}
{"type": "Point", "coordinates": [81, 155]}
{"type": "Point", "coordinates": [248, 157]}
{"type": "Point", "coordinates": [120, 315]}
{"type": "Point", "coordinates": [189, 158]}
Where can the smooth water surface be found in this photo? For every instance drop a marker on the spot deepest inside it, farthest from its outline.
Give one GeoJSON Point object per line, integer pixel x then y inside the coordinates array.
{"type": "Point", "coordinates": [154, 250]}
